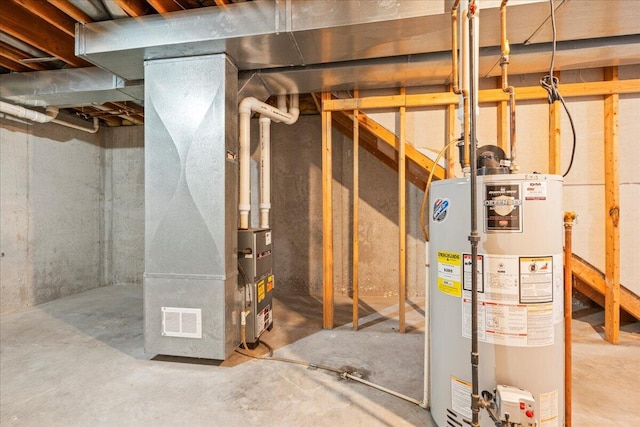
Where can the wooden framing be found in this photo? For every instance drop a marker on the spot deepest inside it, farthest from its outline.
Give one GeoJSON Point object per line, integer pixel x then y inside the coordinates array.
{"type": "Point", "coordinates": [51, 14]}
{"type": "Point", "coordinates": [402, 218]}
{"type": "Point", "coordinates": [612, 213]}
{"type": "Point", "coordinates": [485, 96]}
{"type": "Point", "coordinates": [615, 295]}
{"type": "Point", "coordinates": [71, 10]}
{"type": "Point", "coordinates": [165, 6]}
{"type": "Point", "coordinates": [327, 219]}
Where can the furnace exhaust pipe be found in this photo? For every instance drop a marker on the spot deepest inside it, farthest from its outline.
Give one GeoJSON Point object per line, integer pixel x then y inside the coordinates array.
{"type": "Point", "coordinates": [247, 106]}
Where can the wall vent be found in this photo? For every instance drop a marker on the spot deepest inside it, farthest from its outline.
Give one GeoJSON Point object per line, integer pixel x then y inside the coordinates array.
{"type": "Point", "coordinates": [182, 322]}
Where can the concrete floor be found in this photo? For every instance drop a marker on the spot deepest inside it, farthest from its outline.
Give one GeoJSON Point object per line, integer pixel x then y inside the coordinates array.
{"type": "Point", "coordinates": [79, 361]}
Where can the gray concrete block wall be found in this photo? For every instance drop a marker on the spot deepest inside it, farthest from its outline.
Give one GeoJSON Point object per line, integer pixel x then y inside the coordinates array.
{"type": "Point", "coordinates": [51, 213]}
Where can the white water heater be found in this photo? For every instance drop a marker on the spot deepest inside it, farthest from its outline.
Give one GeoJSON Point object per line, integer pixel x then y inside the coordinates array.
{"type": "Point", "coordinates": [520, 298]}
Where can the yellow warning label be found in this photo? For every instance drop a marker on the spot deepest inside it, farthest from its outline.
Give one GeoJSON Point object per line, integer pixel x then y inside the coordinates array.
{"type": "Point", "coordinates": [269, 283]}
{"type": "Point", "coordinates": [261, 292]}
{"type": "Point", "coordinates": [449, 266]}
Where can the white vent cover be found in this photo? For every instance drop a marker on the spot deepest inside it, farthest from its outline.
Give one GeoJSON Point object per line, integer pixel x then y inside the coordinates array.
{"type": "Point", "coordinates": [182, 322]}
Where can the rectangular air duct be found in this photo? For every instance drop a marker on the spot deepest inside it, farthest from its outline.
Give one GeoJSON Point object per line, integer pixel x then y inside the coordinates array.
{"type": "Point", "coordinates": [191, 300]}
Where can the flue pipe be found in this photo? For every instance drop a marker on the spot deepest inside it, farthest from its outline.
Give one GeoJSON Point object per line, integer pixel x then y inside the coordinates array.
{"type": "Point", "coordinates": [455, 77]}
{"type": "Point", "coordinates": [504, 63]}
{"type": "Point", "coordinates": [247, 106]}
{"type": "Point", "coordinates": [49, 116]}
{"type": "Point", "coordinates": [265, 170]}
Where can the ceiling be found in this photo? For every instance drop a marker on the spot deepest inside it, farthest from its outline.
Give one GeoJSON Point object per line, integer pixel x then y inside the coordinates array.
{"type": "Point", "coordinates": [39, 35]}
{"type": "Point", "coordinates": [311, 45]}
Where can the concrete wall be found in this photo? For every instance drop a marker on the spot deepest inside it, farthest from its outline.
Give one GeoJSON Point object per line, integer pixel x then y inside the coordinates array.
{"type": "Point", "coordinates": [123, 177]}
{"type": "Point", "coordinates": [297, 215]}
{"type": "Point", "coordinates": [51, 213]}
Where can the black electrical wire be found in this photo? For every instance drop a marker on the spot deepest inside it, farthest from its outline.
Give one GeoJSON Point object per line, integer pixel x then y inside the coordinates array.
{"type": "Point", "coordinates": [550, 84]}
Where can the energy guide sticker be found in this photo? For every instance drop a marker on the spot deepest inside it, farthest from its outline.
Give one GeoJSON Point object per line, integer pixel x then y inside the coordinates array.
{"type": "Point", "coordinates": [449, 273]}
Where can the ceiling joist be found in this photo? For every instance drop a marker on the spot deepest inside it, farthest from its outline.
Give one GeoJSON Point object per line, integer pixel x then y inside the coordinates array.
{"type": "Point", "coordinates": [166, 6]}
{"type": "Point", "coordinates": [51, 14]}
{"type": "Point", "coordinates": [71, 10]}
{"type": "Point", "coordinates": [12, 65]}
{"type": "Point", "coordinates": [29, 28]}
{"type": "Point", "coordinates": [134, 8]}
{"type": "Point", "coordinates": [14, 54]}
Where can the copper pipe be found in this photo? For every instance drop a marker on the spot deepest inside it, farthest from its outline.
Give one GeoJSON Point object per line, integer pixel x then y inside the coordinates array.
{"type": "Point", "coordinates": [569, 217]}
{"type": "Point", "coordinates": [504, 63]}
{"type": "Point", "coordinates": [455, 86]}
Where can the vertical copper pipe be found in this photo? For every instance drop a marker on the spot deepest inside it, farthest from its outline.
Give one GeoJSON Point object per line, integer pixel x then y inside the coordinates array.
{"type": "Point", "coordinates": [569, 217]}
{"type": "Point", "coordinates": [504, 63]}
{"type": "Point", "coordinates": [456, 87]}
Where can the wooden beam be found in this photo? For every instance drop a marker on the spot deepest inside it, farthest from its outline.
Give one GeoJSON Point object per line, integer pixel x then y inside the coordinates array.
{"type": "Point", "coordinates": [612, 213]}
{"type": "Point", "coordinates": [594, 279]}
{"type": "Point", "coordinates": [402, 218]}
{"type": "Point", "coordinates": [485, 96]}
{"type": "Point", "coordinates": [327, 218]}
{"type": "Point", "coordinates": [51, 14]}
{"type": "Point", "coordinates": [12, 65]}
{"type": "Point", "coordinates": [165, 6]}
{"type": "Point", "coordinates": [555, 137]}
{"type": "Point", "coordinates": [134, 8]}
{"type": "Point", "coordinates": [27, 27]}
{"type": "Point", "coordinates": [356, 209]}
{"type": "Point", "coordinates": [71, 10]}
{"type": "Point", "coordinates": [16, 55]}
{"type": "Point", "coordinates": [221, 2]}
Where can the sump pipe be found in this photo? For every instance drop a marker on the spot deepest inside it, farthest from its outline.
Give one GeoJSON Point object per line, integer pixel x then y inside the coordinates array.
{"type": "Point", "coordinates": [247, 106]}
{"type": "Point", "coordinates": [48, 117]}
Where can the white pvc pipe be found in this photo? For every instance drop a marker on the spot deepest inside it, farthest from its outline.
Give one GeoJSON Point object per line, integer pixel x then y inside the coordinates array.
{"type": "Point", "coordinates": [247, 106]}
{"type": "Point", "coordinates": [50, 116]}
{"type": "Point", "coordinates": [265, 171]}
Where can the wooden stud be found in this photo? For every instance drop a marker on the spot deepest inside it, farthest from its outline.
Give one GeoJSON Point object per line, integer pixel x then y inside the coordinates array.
{"type": "Point", "coordinates": [612, 213]}
{"type": "Point", "coordinates": [402, 219]}
{"type": "Point", "coordinates": [555, 137]}
{"type": "Point", "coordinates": [356, 208]}
{"type": "Point", "coordinates": [327, 218]}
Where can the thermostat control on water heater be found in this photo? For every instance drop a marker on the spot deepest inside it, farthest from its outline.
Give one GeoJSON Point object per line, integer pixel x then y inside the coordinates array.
{"type": "Point", "coordinates": [515, 406]}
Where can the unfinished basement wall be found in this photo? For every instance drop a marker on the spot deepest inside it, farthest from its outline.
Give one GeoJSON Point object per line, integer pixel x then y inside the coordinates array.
{"type": "Point", "coordinates": [123, 220]}
{"type": "Point", "coordinates": [584, 185]}
{"type": "Point", "coordinates": [50, 213]}
{"type": "Point", "coordinates": [296, 215]}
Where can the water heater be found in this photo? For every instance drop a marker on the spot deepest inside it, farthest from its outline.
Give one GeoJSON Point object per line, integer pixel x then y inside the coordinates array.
{"type": "Point", "coordinates": [520, 299]}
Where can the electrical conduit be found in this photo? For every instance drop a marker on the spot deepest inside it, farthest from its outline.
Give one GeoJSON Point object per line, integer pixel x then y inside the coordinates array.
{"type": "Point", "coordinates": [278, 115]}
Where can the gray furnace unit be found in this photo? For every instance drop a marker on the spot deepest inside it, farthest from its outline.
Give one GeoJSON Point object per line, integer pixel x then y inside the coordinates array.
{"type": "Point", "coordinates": [255, 261]}
{"type": "Point", "coordinates": [192, 302]}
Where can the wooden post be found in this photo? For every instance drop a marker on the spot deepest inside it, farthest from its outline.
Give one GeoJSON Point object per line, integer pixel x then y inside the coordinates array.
{"type": "Point", "coordinates": [327, 219]}
{"type": "Point", "coordinates": [612, 213]}
{"type": "Point", "coordinates": [402, 226]}
{"type": "Point", "coordinates": [569, 217]}
{"type": "Point", "coordinates": [555, 137]}
{"type": "Point", "coordinates": [356, 203]}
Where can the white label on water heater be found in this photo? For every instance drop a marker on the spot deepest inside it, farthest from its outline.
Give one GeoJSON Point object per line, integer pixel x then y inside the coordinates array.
{"type": "Point", "coordinates": [549, 409]}
{"type": "Point", "coordinates": [461, 397]}
{"type": "Point", "coordinates": [517, 307]}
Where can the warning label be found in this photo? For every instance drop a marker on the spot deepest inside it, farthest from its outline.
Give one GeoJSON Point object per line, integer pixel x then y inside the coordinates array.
{"type": "Point", "coordinates": [503, 207]}
{"type": "Point", "coordinates": [449, 266]}
{"type": "Point", "coordinates": [536, 190]}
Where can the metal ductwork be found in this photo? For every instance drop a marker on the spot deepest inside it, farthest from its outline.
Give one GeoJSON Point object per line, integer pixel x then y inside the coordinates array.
{"type": "Point", "coordinates": [330, 45]}
{"type": "Point", "coordinates": [69, 88]}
